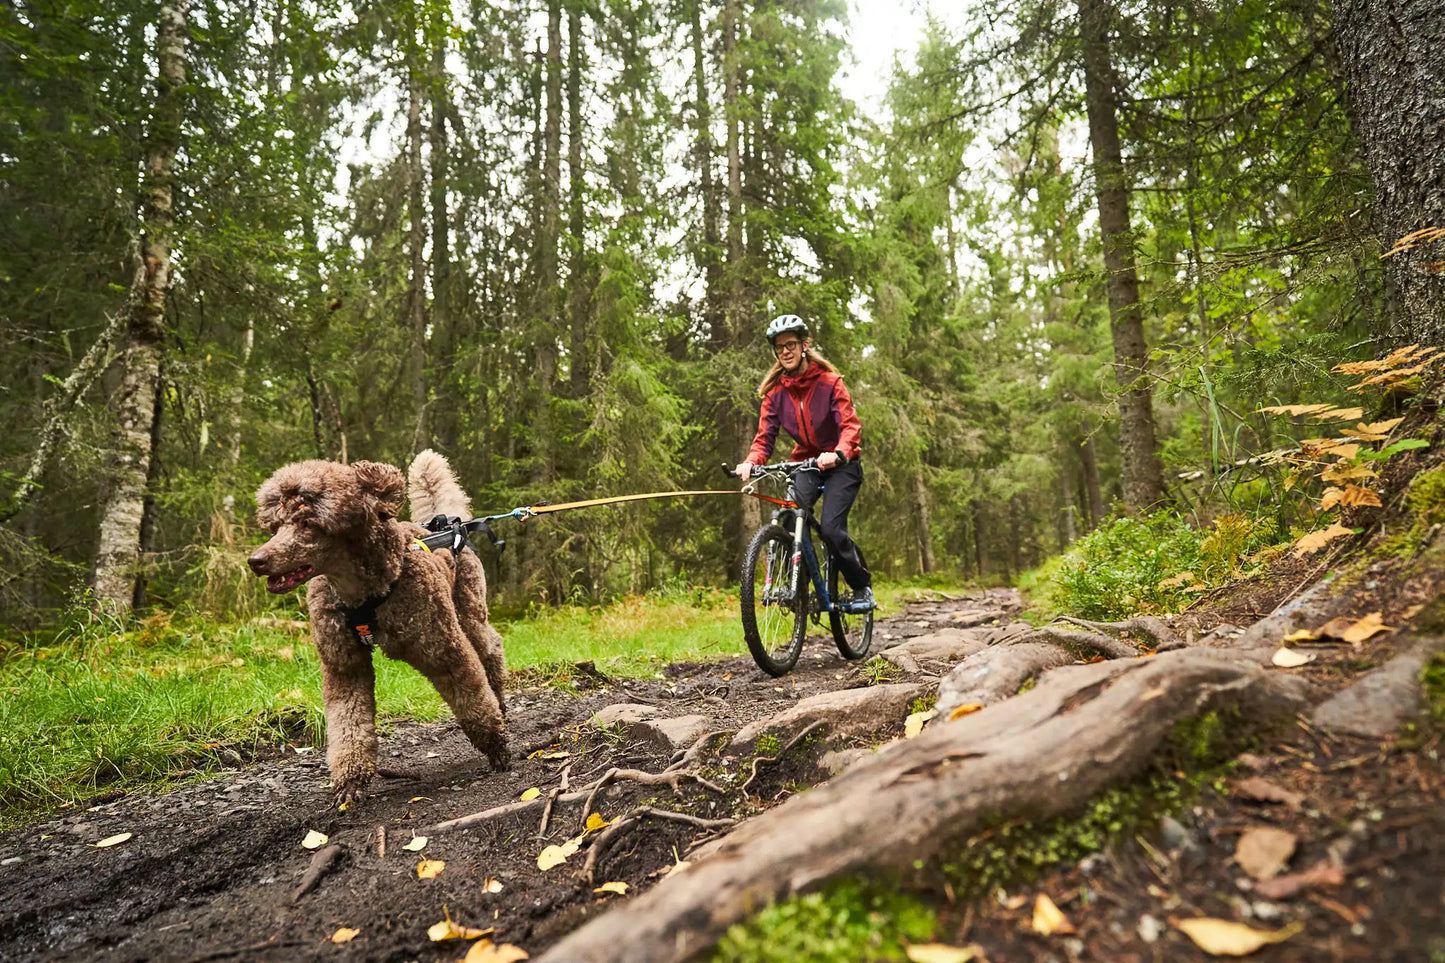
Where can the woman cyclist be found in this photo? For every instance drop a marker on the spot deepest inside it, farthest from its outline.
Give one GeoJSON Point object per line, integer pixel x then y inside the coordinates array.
{"type": "Point", "coordinates": [805, 396]}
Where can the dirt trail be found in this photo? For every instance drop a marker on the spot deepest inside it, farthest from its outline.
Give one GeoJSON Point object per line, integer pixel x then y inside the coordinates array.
{"type": "Point", "coordinates": [211, 869]}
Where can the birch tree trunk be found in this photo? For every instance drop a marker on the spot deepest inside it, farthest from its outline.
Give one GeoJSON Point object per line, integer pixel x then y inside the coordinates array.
{"type": "Point", "coordinates": [1143, 474]}
{"type": "Point", "coordinates": [703, 153]}
{"type": "Point", "coordinates": [1394, 64]}
{"type": "Point", "coordinates": [134, 402]}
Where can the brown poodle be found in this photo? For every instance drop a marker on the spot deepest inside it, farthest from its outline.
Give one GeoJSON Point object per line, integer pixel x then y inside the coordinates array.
{"type": "Point", "coordinates": [374, 584]}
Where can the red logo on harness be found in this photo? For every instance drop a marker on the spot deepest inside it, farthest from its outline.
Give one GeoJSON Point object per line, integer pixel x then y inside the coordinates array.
{"type": "Point", "coordinates": [364, 631]}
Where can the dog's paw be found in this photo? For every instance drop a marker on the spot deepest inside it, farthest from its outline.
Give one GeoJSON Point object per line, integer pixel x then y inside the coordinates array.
{"type": "Point", "coordinates": [349, 793]}
{"type": "Point", "coordinates": [497, 753]}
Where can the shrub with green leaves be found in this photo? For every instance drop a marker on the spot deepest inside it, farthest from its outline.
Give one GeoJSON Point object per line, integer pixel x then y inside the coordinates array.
{"type": "Point", "coordinates": [1117, 570]}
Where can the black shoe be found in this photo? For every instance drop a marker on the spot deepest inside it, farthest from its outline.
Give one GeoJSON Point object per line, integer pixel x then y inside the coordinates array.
{"type": "Point", "coordinates": [863, 598]}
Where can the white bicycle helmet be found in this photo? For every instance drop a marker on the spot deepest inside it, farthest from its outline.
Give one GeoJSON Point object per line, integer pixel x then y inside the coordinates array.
{"type": "Point", "coordinates": [786, 322]}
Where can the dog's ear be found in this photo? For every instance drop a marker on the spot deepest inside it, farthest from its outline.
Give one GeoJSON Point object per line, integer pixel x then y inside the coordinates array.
{"type": "Point", "coordinates": [384, 484]}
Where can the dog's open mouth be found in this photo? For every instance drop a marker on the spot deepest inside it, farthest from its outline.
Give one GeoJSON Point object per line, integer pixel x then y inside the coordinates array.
{"type": "Point", "coordinates": [287, 581]}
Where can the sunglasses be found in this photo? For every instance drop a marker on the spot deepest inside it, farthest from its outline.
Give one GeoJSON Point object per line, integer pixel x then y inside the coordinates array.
{"type": "Point", "coordinates": [783, 346]}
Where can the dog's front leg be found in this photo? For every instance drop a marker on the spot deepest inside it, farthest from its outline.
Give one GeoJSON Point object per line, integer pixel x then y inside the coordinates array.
{"type": "Point", "coordinates": [348, 690]}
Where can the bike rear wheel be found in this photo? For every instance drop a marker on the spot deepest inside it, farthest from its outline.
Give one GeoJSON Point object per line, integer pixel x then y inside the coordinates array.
{"type": "Point", "coordinates": [775, 619]}
{"type": "Point", "coordinates": [852, 631]}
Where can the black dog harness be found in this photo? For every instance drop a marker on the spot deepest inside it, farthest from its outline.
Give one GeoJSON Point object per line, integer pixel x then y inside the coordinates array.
{"type": "Point", "coordinates": [447, 532]}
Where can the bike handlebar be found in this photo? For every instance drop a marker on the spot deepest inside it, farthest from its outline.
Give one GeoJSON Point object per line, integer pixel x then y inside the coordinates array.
{"type": "Point", "coordinates": [779, 467]}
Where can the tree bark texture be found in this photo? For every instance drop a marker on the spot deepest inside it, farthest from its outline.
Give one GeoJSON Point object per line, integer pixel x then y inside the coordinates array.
{"type": "Point", "coordinates": [416, 242]}
{"type": "Point", "coordinates": [118, 548]}
{"type": "Point", "coordinates": [1089, 461]}
{"type": "Point", "coordinates": [578, 274]}
{"type": "Point", "coordinates": [703, 153]}
{"type": "Point", "coordinates": [1040, 754]}
{"type": "Point", "coordinates": [1393, 55]}
{"type": "Point", "coordinates": [924, 521]}
{"type": "Point", "coordinates": [1143, 476]}
{"type": "Point", "coordinates": [442, 418]}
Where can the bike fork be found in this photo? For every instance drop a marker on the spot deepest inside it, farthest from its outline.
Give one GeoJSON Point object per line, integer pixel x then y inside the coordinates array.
{"type": "Point", "coordinates": [800, 530]}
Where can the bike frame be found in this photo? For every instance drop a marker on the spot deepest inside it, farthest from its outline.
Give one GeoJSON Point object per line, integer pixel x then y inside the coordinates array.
{"type": "Point", "coordinates": [802, 525]}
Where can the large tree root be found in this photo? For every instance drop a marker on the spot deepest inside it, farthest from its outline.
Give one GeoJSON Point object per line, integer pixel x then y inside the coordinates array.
{"type": "Point", "coordinates": [1144, 626]}
{"type": "Point", "coordinates": [1042, 753]}
{"type": "Point", "coordinates": [996, 673]}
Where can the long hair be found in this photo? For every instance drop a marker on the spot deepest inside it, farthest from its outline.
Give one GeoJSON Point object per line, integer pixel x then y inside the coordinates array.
{"type": "Point", "coordinates": [776, 372]}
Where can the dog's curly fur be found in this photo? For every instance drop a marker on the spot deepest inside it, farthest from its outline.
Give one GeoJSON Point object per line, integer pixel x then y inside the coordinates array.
{"type": "Point", "coordinates": [336, 526]}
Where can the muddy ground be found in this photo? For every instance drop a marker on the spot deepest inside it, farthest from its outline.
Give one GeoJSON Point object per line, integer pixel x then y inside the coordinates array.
{"type": "Point", "coordinates": [211, 870]}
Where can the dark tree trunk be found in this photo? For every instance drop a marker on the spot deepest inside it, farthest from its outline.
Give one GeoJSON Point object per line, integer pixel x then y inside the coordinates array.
{"type": "Point", "coordinates": [709, 256]}
{"type": "Point", "coordinates": [1143, 479]}
{"type": "Point", "coordinates": [128, 466]}
{"type": "Point", "coordinates": [578, 275]}
{"type": "Point", "coordinates": [923, 520]}
{"type": "Point", "coordinates": [148, 516]}
{"type": "Point", "coordinates": [416, 242]}
{"type": "Point", "coordinates": [443, 419]}
{"type": "Point", "coordinates": [1089, 460]}
{"type": "Point", "coordinates": [1066, 477]}
{"type": "Point", "coordinates": [1393, 55]}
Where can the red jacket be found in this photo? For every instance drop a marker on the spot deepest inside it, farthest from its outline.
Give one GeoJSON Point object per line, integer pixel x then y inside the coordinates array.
{"type": "Point", "coordinates": [815, 409]}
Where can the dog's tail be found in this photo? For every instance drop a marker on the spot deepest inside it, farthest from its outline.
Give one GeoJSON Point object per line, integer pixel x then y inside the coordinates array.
{"type": "Point", "coordinates": [433, 490]}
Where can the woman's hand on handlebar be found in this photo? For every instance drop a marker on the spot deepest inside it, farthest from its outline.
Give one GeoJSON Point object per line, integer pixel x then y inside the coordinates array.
{"type": "Point", "coordinates": [827, 460]}
{"type": "Point", "coordinates": [744, 470]}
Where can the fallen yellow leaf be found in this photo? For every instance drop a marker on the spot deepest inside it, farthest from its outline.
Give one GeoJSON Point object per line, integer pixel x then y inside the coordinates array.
{"type": "Point", "coordinates": [314, 840]}
{"type": "Point", "coordinates": [529, 794]}
{"type": "Point", "coordinates": [1367, 627]}
{"type": "Point", "coordinates": [1048, 918]}
{"type": "Point", "coordinates": [557, 855]}
{"type": "Point", "coordinates": [596, 822]}
{"type": "Point", "coordinates": [942, 953]}
{"type": "Point", "coordinates": [448, 930]}
{"type": "Point", "coordinates": [110, 841]}
{"type": "Point", "coordinates": [417, 844]}
{"type": "Point", "coordinates": [968, 708]}
{"type": "Point", "coordinates": [617, 887]}
{"type": "Point", "coordinates": [1223, 938]}
{"type": "Point", "coordinates": [1330, 498]}
{"type": "Point", "coordinates": [1291, 658]}
{"type": "Point", "coordinates": [345, 935]}
{"type": "Point", "coordinates": [1315, 541]}
{"type": "Point", "coordinates": [1303, 635]}
{"type": "Point", "coordinates": [430, 868]}
{"type": "Point", "coordinates": [486, 951]}
{"type": "Point", "coordinates": [490, 885]}
{"type": "Point", "coordinates": [418, 799]}
{"type": "Point", "coordinates": [913, 725]}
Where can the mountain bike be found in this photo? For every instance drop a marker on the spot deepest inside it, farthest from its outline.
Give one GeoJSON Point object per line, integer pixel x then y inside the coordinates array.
{"type": "Point", "coordinates": [780, 568]}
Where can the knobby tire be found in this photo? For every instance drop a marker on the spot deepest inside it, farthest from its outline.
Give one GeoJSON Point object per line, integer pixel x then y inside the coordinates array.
{"type": "Point", "coordinates": [774, 643]}
{"type": "Point", "coordinates": [852, 631]}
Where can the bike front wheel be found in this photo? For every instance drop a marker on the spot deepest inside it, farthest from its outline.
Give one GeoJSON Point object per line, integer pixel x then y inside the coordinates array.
{"type": "Point", "coordinates": [775, 617]}
{"type": "Point", "coordinates": [852, 631]}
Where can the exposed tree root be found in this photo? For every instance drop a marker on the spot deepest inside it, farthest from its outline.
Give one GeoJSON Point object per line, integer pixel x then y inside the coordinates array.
{"type": "Point", "coordinates": [673, 779]}
{"type": "Point", "coordinates": [807, 731]}
{"type": "Point", "coordinates": [326, 859]}
{"type": "Point", "coordinates": [683, 759]}
{"type": "Point", "coordinates": [586, 793]}
{"type": "Point", "coordinates": [1146, 626]}
{"type": "Point", "coordinates": [996, 673]}
{"type": "Point", "coordinates": [608, 836]}
{"type": "Point", "coordinates": [1080, 642]}
{"type": "Point", "coordinates": [1043, 753]}
{"type": "Point", "coordinates": [552, 798]}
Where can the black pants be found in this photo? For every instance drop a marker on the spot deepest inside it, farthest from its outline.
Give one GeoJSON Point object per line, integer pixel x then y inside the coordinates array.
{"type": "Point", "coordinates": [842, 487]}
